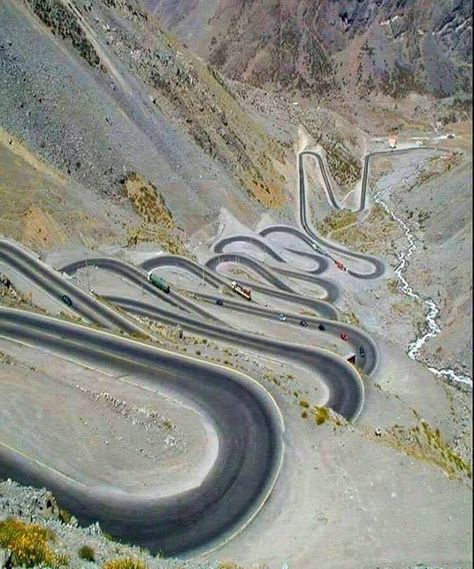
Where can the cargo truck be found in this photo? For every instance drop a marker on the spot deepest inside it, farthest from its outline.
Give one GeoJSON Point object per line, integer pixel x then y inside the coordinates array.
{"type": "Point", "coordinates": [159, 283]}
{"type": "Point", "coordinates": [245, 292]}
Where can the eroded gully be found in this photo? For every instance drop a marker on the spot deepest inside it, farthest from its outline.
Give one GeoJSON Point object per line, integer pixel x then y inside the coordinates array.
{"type": "Point", "coordinates": [431, 327]}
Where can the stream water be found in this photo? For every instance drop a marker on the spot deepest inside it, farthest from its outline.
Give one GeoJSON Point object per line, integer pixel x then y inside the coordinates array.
{"type": "Point", "coordinates": [431, 327]}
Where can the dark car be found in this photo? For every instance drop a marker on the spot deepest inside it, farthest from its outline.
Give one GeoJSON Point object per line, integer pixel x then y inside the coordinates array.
{"type": "Point", "coordinates": [322, 327]}
{"type": "Point", "coordinates": [220, 302]}
{"type": "Point", "coordinates": [362, 352]}
{"type": "Point", "coordinates": [303, 323]}
{"type": "Point", "coordinates": [65, 298]}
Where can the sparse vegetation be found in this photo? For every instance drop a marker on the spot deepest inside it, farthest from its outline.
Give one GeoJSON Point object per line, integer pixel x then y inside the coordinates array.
{"type": "Point", "coordinates": [125, 563]}
{"type": "Point", "coordinates": [426, 443]}
{"type": "Point", "coordinates": [229, 565]}
{"type": "Point", "coordinates": [373, 235]}
{"type": "Point", "coordinates": [62, 22]}
{"type": "Point", "coordinates": [159, 224]}
{"type": "Point", "coordinates": [29, 544]}
{"type": "Point", "coordinates": [86, 552]}
{"type": "Point", "coordinates": [336, 221]}
{"type": "Point", "coordinates": [321, 415]}
{"type": "Point", "coordinates": [65, 516]}
{"type": "Point", "coordinates": [351, 318]}
{"type": "Point", "coordinates": [345, 169]}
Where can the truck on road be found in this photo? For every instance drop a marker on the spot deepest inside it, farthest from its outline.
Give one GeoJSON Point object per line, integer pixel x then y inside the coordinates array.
{"type": "Point", "coordinates": [245, 292]}
{"type": "Point", "coordinates": [159, 283]}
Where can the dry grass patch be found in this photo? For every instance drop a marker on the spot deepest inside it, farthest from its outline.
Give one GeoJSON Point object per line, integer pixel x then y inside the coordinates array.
{"type": "Point", "coordinates": [229, 565]}
{"type": "Point", "coordinates": [87, 553]}
{"type": "Point", "coordinates": [158, 223]}
{"type": "Point", "coordinates": [30, 544]}
{"type": "Point", "coordinates": [125, 563]}
{"type": "Point", "coordinates": [373, 236]}
{"type": "Point", "coordinates": [336, 221]}
{"type": "Point", "coordinates": [424, 442]}
{"type": "Point", "coordinates": [321, 415]}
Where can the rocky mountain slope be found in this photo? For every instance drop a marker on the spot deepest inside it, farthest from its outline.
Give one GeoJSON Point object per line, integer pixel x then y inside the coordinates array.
{"type": "Point", "coordinates": [101, 93]}
{"type": "Point", "coordinates": [319, 45]}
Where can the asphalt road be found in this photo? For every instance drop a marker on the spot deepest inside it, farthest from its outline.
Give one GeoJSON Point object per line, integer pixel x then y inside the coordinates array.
{"type": "Point", "coordinates": [55, 285]}
{"type": "Point", "coordinates": [220, 246]}
{"type": "Point", "coordinates": [247, 421]}
{"type": "Point", "coordinates": [220, 282]}
{"type": "Point", "coordinates": [331, 289]}
{"type": "Point", "coordinates": [356, 338]}
{"type": "Point", "coordinates": [138, 278]}
{"type": "Point", "coordinates": [322, 245]}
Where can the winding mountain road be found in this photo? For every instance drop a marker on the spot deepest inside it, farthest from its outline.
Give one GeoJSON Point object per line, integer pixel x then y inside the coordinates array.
{"type": "Point", "coordinates": [330, 289]}
{"type": "Point", "coordinates": [323, 245]}
{"type": "Point", "coordinates": [213, 278]}
{"type": "Point", "coordinates": [247, 421]}
{"type": "Point", "coordinates": [245, 417]}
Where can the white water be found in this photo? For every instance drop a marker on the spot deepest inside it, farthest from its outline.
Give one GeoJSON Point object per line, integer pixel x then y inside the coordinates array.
{"type": "Point", "coordinates": [432, 327]}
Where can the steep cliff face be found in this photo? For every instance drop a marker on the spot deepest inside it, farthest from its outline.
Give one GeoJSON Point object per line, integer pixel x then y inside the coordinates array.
{"type": "Point", "coordinates": [315, 45]}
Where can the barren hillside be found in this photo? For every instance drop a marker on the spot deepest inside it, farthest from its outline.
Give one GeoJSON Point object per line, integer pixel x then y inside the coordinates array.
{"type": "Point", "coordinates": [320, 46]}
{"type": "Point", "coordinates": [99, 91]}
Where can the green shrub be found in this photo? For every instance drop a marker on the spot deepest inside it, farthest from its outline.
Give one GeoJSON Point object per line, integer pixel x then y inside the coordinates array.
{"type": "Point", "coordinates": [87, 553]}
{"type": "Point", "coordinates": [65, 516]}
{"type": "Point", "coordinates": [321, 415]}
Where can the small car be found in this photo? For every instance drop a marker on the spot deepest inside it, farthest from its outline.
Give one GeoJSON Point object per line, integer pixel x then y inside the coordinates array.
{"type": "Point", "coordinates": [220, 302]}
{"type": "Point", "coordinates": [321, 327]}
{"type": "Point", "coordinates": [303, 323]}
{"type": "Point", "coordinates": [65, 298]}
{"type": "Point", "coordinates": [344, 337]}
{"type": "Point", "coordinates": [362, 352]}
{"type": "Point", "coordinates": [282, 317]}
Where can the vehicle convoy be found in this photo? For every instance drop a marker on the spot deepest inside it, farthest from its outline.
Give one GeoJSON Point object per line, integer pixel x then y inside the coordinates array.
{"type": "Point", "coordinates": [245, 292]}
{"type": "Point", "coordinates": [159, 283]}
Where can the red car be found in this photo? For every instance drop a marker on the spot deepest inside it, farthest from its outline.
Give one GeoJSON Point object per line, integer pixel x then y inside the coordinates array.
{"type": "Point", "coordinates": [344, 337]}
